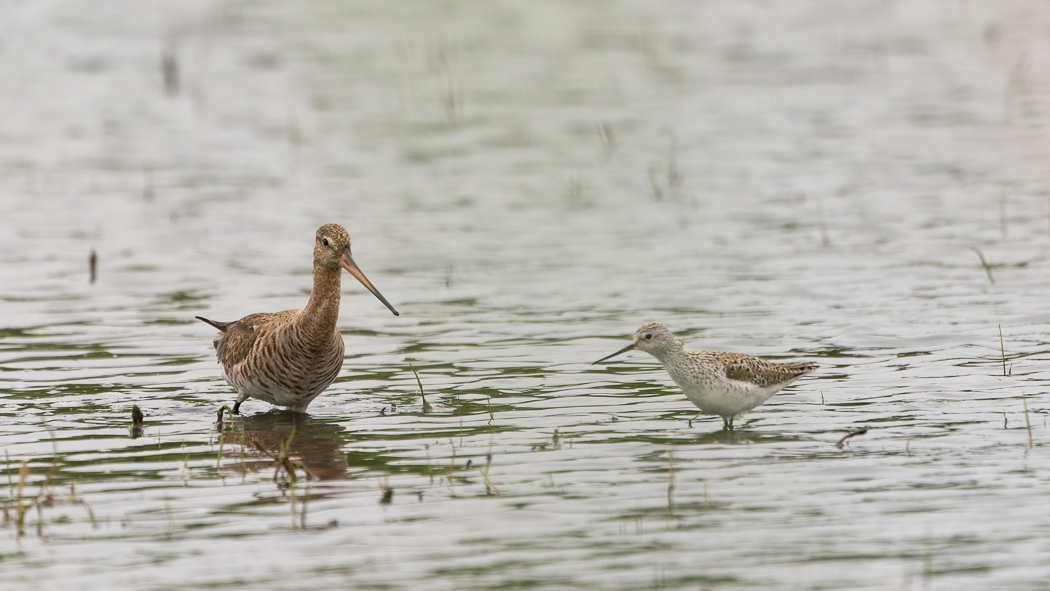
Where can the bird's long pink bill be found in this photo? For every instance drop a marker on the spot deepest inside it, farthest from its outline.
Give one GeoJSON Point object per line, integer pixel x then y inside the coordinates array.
{"type": "Point", "coordinates": [347, 262]}
{"type": "Point", "coordinates": [624, 350]}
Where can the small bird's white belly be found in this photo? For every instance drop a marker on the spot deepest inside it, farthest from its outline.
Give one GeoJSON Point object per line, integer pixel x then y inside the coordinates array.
{"type": "Point", "coordinates": [721, 396]}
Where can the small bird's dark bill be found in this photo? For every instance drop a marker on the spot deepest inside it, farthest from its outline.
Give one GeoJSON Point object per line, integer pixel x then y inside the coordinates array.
{"type": "Point", "coordinates": [348, 263]}
{"type": "Point", "coordinates": [624, 350]}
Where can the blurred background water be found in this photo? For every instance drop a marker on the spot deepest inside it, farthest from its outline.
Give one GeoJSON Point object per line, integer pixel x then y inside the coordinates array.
{"type": "Point", "coordinates": [528, 183]}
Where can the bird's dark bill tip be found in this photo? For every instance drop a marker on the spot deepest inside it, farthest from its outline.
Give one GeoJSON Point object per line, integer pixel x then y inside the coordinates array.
{"type": "Point", "coordinates": [624, 350]}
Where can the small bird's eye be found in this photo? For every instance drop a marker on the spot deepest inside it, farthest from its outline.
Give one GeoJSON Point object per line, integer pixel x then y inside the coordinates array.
{"type": "Point", "coordinates": [324, 241]}
{"type": "Point", "coordinates": [649, 337]}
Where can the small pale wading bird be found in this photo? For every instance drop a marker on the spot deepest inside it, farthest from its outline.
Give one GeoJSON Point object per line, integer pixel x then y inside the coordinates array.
{"type": "Point", "coordinates": [288, 358]}
{"type": "Point", "coordinates": [723, 384]}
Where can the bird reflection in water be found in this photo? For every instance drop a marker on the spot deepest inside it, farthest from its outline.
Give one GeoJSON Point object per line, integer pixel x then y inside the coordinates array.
{"type": "Point", "coordinates": [256, 442]}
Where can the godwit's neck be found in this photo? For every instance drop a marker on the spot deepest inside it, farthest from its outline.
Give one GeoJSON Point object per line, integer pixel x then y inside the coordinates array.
{"type": "Point", "coordinates": [322, 311]}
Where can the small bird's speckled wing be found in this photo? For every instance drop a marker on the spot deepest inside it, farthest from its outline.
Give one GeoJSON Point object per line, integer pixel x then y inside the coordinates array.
{"type": "Point", "coordinates": [760, 372]}
{"type": "Point", "coordinates": [236, 343]}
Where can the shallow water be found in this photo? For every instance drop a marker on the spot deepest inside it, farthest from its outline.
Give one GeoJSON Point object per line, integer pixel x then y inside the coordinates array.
{"type": "Point", "coordinates": [528, 185]}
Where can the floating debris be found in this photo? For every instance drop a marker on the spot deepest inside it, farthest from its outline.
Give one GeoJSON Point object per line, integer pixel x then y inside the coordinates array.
{"type": "Point", "coordinates": [147, 181]}
{"type": "Point", "coordinates": [426, 406]}
{"type": "Point", "coordinates": [608, 137]}
{"type": "Point", "coordinates": [984, 263]}
{"type": "Point", "coordinates": [674, 178]}
{"type": "Point", "coordinates": [654, 184]}
{"type": "Point", "coordinates": [137, 419]}
{"type": "Point", "coordinates": [169, 67]}
{"type": "Point", "coordinates": [849, 436]}
{"type": "Point", "coordinates": [220, 422]}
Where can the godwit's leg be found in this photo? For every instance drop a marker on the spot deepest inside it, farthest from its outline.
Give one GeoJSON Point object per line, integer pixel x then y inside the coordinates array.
{"type": "Point", "coordinates": [694, 418]}
{"type": "Point", "coordinates": [727, 423]}
{"type": "Point", "coordinates": [241, 397]}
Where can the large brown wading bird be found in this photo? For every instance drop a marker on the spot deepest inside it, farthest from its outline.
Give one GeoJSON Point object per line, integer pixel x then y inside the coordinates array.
{"type": "Point", "coordinates": [288, 358]}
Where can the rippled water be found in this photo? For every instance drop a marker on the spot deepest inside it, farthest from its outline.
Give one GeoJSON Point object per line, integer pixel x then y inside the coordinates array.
{"type": "Point", "coordinates": [527, 184]}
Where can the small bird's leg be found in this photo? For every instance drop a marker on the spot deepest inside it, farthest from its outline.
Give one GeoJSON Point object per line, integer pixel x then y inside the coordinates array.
{"type": "Point", "coordinates": [694, 418]}
{"type": "Point", "coordinates": [237, 406]}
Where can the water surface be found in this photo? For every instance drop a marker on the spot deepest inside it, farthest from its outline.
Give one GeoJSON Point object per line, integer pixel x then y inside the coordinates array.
{"type": "Point", "coordinates": [528, 185]}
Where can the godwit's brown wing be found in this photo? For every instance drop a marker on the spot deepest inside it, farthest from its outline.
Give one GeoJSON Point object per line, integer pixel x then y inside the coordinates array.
{"type": "Point", "coordinates": [237, 339]}
{"type": "Point", "coordinates": [234, 346]}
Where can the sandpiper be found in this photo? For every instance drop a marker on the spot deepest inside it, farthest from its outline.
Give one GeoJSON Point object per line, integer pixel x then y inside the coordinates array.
{"type": "Point", "coordinates": [288, 358]}
{"type": "Point", "coordinates": [723, 384]}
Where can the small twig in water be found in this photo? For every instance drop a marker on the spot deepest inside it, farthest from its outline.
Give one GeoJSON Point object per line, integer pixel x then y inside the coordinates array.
{"type": "Point", "coordinates": [605, 132]}
{"type": "Point", "coordinates": [73, 497]}
{"type": "Point", "coordinates": [654, 185]}
{"type": "Point", "coordinates": [575, 189]}
{"type": "Point", "coordinates": [984, 263]}
{"type": "Point", "coordinates": [219, 422]}
{"type": "Point", "coordinates": [388, 494]}
{"type": "Point", "coordinates": [670, 481]}
{"type": "Point", "coordinates": [1024, 400]}
{"type": "Point", "coordinates": [169, 66]}
{"type": "Point", "coordinates": [147, 181]}
{"type": "Point", "coordinates": [824, 240]}
{"type": "Point", "coordinates": [1002, 212]}
{"type": "Point", "coordinates": [674, 179]}
{"type": "Point", "coordinates": [93, 264]}
{"type": "Point", "coordinates": [20, 509]}
{"type": "Point", "coordinates": [484, 473]}
{"type": "Point", "coordinates": [426, 406]}
{"type": "Point", "coordinates": [452, 464]}
{"type": "Point", "coordinates": [137, 419]}
{"type": "Point", "coordinates": [849, 436]}
{"type": "Point", "coordinates": [1015, 84]}
{"type": "Point", "coordinates": [1002, 348]}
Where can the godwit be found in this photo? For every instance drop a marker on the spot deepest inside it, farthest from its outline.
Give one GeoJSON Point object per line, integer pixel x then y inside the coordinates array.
{"type": "Point", "coordinates": [723, 384]}
{"type": "Point", "coordinates": [288, 358]}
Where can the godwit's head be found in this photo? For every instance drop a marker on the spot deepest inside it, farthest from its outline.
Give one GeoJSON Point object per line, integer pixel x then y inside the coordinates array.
{"type": "Point", "coordinates": [653, 338]}
{"type": "Point", "coordinates": [332, 250]}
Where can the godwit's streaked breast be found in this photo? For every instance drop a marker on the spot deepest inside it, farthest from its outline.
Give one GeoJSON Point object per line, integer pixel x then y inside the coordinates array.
{"type": "Point", "coordinates": [288, 358]}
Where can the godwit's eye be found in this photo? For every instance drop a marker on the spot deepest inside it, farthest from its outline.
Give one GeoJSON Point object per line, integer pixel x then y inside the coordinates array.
{"type": "Point", "coordinates": [649, 337]}
{"type": "Point", "coordinates": [324, 241]}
